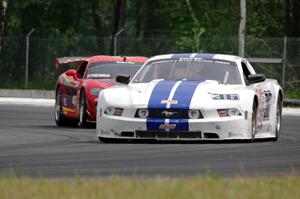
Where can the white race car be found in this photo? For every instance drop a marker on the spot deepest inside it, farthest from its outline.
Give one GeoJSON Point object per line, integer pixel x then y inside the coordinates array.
{"type": "Point", "coordinates": [191, 97]}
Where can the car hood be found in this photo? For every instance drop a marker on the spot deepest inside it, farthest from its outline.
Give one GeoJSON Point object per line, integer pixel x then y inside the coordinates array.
{"type": "Point", "coordinates": [170, 94]}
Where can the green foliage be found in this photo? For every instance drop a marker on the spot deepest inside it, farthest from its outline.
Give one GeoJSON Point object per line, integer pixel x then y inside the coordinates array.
{"type": "Point", "coordinates": [83, 28]}
{"type": "Point", "coordinates": [191, 43]}
{"type": "Point", "coordinates": [292, 93]}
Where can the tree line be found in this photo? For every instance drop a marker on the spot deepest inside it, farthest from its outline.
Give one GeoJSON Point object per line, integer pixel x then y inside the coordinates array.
{"type": "Point", "coordinates": [147, 19]}
{"type": "Point", "coordinates": [86, 27]}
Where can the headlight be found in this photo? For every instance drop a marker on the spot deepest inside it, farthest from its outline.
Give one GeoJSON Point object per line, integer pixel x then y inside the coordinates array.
{"type": "Point", "coordinates": [233, 112]}
{"type": "Point", "coordinates": [95, 91]}
{"type": "Point", "coordinates": [114, 111]}
{"type": "Point", "coordinates": [216, 96]}
{"type": "Point", "coordinates": [110, 111]}
{"type": "Point", "coordinates": [142, 113]}
{"type": "Point", "coordinates": [228, 112]}
{"type": "Point", "coordinates": [194, 114]}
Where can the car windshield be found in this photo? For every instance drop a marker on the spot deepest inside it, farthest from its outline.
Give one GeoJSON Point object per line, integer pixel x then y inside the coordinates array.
{"type": "Point", "coordinates": [109, 70]}
{"type": "Point", "coordinates": [225, 72]}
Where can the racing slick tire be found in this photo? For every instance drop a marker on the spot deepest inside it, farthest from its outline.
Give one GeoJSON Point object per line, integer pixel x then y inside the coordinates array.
{"type": "Point", "coordinates": [105, 140]}
{"type": "Point", "coordinates": [253, 122]}
{"type": "Point", "coordinates": [278, 119]}
{"type": "Point", "coordinates": [59, 116]}
{"type": "Point", "coordinates": [83, 116]}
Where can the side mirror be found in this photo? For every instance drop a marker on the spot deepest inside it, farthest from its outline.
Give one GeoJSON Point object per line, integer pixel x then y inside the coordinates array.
{"type": "Point", "coordinates": [256, 78]}
{"type": "Point", "coordinates": [122, 79]}
{"type": "Point", "coordinates": [72, 73]}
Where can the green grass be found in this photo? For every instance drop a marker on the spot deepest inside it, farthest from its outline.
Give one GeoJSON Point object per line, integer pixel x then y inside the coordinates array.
{"type": "Point", "coordinates": [292, 94]}
{"type": "Point", "coordinates": [157, 187]}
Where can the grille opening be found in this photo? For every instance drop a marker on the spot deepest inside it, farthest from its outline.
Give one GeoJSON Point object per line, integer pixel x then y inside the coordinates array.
{"type": "Point", "coordinates": [168, 134]}
{"type": "Point", "coordinates": [145, 134]}
{"type": "Point", "coordinates": [210, 135]}
{"type": "Point", "coordinates": [169, 113]}
{"type": "Point", "coordinates": [127, 134]}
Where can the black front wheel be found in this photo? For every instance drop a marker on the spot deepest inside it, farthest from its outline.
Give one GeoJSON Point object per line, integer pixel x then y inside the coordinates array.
{"type": "Point", "coordinates": [278, 118]}
{"type": "Point", "coordinates": [59, 117]}
{"type": "Point", "coordinates": [83, 116]}
{"type": "Point", "coordinates": [253, 122]}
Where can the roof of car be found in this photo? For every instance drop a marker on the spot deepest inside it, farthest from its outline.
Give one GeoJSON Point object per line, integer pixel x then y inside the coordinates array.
{"type": "Point", "coordinates": [108, 58]}
{"type": "Point", "coordinates": [196, 55]}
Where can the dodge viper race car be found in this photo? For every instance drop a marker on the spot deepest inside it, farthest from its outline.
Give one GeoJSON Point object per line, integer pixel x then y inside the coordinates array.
{"type": "Point", "coordinates": [77, 90]}
{"type": "Point", "coordinates": [191, 97]}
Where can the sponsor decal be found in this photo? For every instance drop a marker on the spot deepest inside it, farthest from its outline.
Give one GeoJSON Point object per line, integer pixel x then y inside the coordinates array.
{"type": "Point", "coordinates": [74, 100]}
{"type": "Point", "coordinates": [66, 109]}
{"type": "Point", "coordinates": [65, 102]}
{"type": "Point", "coordinates": [169, 102]}
{"type": "Point", "coordinates": [98, 76]}
{"type": "Point", "coordinates": [264, 107]}
{"type": "Point", "coordinates": [267, 104]}
{"type": "Point", "coordinates": [167, 126]}
{"type": "Point", "coordinates": [260, 92]}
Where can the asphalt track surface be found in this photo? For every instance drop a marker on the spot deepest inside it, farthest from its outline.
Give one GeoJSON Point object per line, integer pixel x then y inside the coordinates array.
{"type": "Point", "coordinates": [32, 145]}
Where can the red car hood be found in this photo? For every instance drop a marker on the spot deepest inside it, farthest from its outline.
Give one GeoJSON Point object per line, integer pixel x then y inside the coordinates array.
{"type": "Point", "coordinates": [101, 83]}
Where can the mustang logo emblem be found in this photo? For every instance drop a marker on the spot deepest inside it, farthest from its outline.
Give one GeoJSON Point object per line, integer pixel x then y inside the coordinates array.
{"type": "Point", "coordinates": [167, 113]}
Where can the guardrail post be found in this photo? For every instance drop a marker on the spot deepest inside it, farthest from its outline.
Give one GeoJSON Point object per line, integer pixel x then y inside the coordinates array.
{"type": "Point", "coordinates": [27, 56]}
{"type": "Point", "coordinates": [115, 40]}
{"type": "Point", "coordinates": [284, 62]}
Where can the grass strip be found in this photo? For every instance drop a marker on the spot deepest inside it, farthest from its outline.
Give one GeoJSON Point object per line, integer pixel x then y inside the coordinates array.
{"type": "Point", "coordinates": [157, 187]}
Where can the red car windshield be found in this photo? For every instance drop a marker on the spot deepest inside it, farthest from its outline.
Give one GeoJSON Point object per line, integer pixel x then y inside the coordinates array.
{"type": "Point", "coordinates": [109, 70]}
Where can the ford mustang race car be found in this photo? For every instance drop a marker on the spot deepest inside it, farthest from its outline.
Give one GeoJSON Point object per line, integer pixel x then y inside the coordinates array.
{"type": "Point", "coordinates": [77, 90]}
{"type": "Point", "coordinates": [191, 97]}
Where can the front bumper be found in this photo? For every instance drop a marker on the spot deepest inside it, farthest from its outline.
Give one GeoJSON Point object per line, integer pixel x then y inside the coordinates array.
{"type": "Point", "coordinates": [236, 127]}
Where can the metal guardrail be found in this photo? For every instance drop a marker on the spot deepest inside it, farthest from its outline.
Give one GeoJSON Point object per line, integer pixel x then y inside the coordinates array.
{"type": "Point", "coordinates": [42, 94]}
{"type": "Point", "coordinates": [291, 102]}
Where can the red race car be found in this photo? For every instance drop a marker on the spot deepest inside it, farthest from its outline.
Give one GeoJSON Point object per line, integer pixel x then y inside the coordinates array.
{"type": "Point", "coordinates": [77, 90]}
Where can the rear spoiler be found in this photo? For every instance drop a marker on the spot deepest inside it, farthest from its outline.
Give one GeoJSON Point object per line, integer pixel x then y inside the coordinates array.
{"type": "Point", "coordinates": [68, 60]}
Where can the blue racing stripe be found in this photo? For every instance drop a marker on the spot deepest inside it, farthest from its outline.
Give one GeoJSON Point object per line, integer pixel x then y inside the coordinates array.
{"type": "Point", "coordinates": [181, 124]}
{"type": "Point", "coordinates": [183, 95]}
{"type": "Point", "coordinates": [160, 92]}
{"type": "Point", "coordinates": [205, 56]}
{"type": "Point", "coordinates": [198, 55]}
{"type": "Point", "coordinates": [181, 55]}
